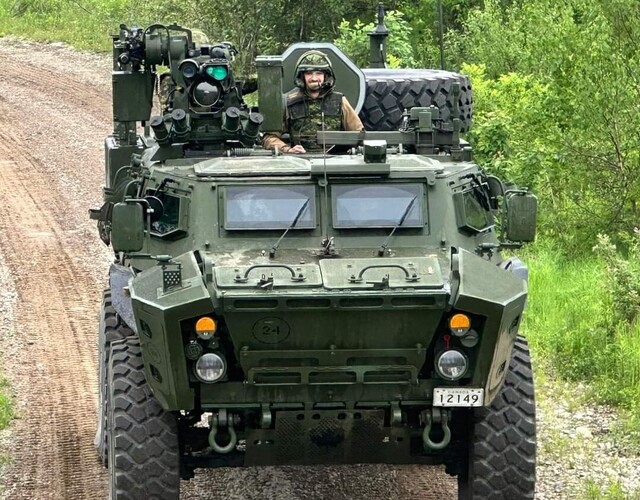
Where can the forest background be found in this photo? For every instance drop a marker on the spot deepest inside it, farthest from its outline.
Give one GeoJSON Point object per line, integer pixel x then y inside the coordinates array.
{"type": "Point", "coordinates": [557, 96]}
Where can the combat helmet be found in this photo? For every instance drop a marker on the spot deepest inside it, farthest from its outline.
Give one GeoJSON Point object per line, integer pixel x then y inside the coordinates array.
{"type": "Point", "coordinates": [314, 60]}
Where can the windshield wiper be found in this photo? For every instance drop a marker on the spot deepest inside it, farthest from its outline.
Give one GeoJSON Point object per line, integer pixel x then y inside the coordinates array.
{"type": "Point", "coordinates": [384, 246]}
{"type": "Point", "coordinates": [272, 252]}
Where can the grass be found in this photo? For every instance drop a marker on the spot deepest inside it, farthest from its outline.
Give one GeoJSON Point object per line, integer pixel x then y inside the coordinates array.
{"type": "Point", "coordinates": [6, 408]}
{"type": "Point", "coordinates": [577, 332]}
{"type": "Point", "coordinates": [84, 24]}
{"type": "Point", "coordinates": [613, 491]}
{"type": "Point", "coordinates": [6, 413]}
{"type": "Point", "coordinates": [571, 319]}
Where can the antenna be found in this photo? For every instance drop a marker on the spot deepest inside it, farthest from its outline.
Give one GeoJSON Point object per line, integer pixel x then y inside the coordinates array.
{"type": "Point", "coordinates": [326, 242]}
{"type": "Point", "coordinates": [378, 41]}
{"type": "Point", "coordinates": [441, 34]}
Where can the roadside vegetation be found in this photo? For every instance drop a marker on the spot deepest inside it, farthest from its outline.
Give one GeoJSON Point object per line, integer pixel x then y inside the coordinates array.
{"type": "Point", "coordinates": [556, 86]}
{"type": "Point", "coordinates": [6, 412]}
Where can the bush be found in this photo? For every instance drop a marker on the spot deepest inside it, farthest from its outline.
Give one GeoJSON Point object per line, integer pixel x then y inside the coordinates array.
{"type": "Point", "coordinates": [622, 275]}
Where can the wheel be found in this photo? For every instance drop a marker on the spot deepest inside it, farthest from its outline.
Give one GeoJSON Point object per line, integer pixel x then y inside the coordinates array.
{"type": "Point", "coordinates": [144, 456]}
{"type": "Point", "coordinates": [390, 91]}
{"type": "Point", "coordinates": [111, 328]}
{"type": "Point", "coordinates": [501, 460]}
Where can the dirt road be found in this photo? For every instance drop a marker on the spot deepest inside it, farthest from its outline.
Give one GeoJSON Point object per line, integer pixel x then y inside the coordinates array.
{"type": "Point", "coordinates": [55, 111]}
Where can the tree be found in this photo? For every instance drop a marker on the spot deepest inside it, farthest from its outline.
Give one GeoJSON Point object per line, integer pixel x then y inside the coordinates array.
{"type": "Point", "coordinates": [586, 156]}
{"type": "Point", "coordinates": [354, 41]}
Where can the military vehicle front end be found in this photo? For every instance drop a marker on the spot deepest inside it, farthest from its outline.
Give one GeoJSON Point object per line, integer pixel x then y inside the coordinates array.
{"type": "Point", "coordinates": [282, 309]}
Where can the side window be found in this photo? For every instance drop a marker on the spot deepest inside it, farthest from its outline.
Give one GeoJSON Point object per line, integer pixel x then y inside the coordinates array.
{"type": "Point", "coordinates": [172, 222]}
{"type": "Point", "coordinates": [472, 211]}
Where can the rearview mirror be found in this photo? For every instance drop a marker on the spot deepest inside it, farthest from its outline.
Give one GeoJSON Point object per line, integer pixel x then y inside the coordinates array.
{"type": "Point", "coordinates": [127, 227]}
{"type": "Point", "coordinates": [520, 217]}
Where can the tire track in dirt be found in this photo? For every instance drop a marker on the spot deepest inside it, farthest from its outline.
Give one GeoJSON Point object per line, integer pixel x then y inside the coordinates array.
{"type": "Point", "coordinates": [52, 367]}
{"type": "Point", "coordinates": [55, 111]}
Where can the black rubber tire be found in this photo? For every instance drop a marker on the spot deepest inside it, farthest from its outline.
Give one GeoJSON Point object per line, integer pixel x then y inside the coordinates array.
{"type": "Point", "coordinates": [501, 462]}
{"type": "Point", "coordinates": [144, 454]}
{"type": "Point", "coordinates": [390, 91]}
{"type": "Point", "coordinates": [111, 328]}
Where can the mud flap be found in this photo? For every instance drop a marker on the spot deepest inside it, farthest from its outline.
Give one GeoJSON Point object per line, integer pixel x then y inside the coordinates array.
{"type": "Point", "coordinates": [119, 277]}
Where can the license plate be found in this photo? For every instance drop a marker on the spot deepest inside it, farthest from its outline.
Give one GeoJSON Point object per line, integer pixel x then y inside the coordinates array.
{"type": "Point", "coordinates": [458, 396]}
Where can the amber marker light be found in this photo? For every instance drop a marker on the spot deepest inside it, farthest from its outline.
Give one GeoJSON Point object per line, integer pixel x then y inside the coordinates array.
{"type": "Point", "coordinates": [206, 327]}
{"type": "Point", "coordinates": [459, 324]}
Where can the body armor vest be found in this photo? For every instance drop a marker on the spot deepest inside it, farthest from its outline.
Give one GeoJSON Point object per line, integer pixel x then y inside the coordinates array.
{"type": "Point", "coordinates": [305, 117]}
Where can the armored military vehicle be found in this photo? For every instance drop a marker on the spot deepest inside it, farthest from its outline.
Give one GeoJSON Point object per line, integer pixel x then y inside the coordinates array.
{"type": "Point", "coordinates": [352, 306]}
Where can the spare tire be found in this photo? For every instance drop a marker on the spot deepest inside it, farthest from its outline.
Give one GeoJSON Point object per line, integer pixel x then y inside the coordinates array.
{"type": "Point", "coordinates": [390, 91]}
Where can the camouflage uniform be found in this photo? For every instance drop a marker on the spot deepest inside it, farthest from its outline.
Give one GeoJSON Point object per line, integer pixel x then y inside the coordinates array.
{"type": "Point", "coordinates": [304, 114]}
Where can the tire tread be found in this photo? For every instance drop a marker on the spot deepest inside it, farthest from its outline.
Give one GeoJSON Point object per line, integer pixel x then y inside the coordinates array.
{"type": "Point", "coordinates": [503, 453]}
{"type": "Point", "coordinates": [390, 92]}
{"type": "Point", "coordinates": [145, 449]}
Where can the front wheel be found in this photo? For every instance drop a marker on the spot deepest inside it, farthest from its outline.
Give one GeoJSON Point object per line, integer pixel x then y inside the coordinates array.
{"type": "Point", "coordinates": [144, 456]}
{"type": "Point", "coordinates": [501, 456]}
{"type": "Point", "coordinates": [112, 328]}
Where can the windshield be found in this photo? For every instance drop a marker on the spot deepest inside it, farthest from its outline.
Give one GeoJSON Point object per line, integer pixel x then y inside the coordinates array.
{"type": "Point", "coordinates": [269, 207]}
{"type": "Point", "coordinates": [377, 205]}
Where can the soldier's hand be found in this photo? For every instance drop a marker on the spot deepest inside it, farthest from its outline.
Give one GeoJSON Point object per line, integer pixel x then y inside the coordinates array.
{"type": "Point", "coordinates": [297, 149]}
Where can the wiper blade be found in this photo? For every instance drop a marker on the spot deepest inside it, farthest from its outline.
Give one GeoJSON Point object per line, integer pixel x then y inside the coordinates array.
{"type": "Point", "coordinates": [274, 248]}
{"type": "Point", "coordinates": [384, 246]}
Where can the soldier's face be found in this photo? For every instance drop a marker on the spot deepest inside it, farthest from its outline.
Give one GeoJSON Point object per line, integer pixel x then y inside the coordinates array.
{"type": "Point", "coordinates": [313, 79]}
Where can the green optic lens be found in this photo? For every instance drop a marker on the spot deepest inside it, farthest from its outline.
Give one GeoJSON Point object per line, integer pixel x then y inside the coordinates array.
{"type": "Point", "coordinates": [217, 72]}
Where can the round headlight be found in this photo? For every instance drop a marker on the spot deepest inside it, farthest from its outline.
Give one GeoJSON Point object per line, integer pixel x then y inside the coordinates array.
{"type": "Point", "coordinates": [451, 364]}
{"type": "Point", "coordinates": [210, 367]}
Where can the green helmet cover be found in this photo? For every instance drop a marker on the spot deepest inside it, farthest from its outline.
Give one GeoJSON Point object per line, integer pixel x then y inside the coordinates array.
{"type": "Point", "coordinates": [314, 60]}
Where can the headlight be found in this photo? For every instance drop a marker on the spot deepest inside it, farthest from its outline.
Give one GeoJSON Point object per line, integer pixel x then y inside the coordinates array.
{"type": "Point", "coordinates": [210, 368]}
{"type": "Point", "coordinates": [451, 365]}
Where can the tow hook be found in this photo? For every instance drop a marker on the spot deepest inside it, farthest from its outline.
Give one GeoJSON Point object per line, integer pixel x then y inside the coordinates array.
{"type": "Point", "coordinates": [435, 416]}
{"type": "Point", "coordinates": [222, 419]}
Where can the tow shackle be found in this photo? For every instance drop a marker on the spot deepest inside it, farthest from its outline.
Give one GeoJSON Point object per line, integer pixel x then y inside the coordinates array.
{"type": "Point", "coordinates": [220, 420]}
{"type": "Point", "coordinates": [431, 417]}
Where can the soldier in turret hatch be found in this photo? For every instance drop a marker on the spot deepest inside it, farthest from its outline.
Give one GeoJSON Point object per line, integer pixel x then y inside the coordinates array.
{"type": "Point", "coordinates": [306, 103]}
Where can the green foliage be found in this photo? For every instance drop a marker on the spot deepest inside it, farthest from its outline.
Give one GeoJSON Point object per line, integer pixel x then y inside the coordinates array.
{"type": "Point", "coordinates": [253, 26]}
{"type": "Point", "coordinates": [6, 406]}
{"type": "Point", "coordinates": [571, 320]}
{"type": "Point", "coordinates": [353, 40]}
{"type": "Point", "coordinates": [85, 24]}
{"type": "Point", "coordinates": [622, 276]}
{"type": "Point", "coordinates": [612, 491]}
{"type": "Point", "coordinates": [578, 139]}
{"type": "Point", "coordinates": [567, 313]}
{"type": "Point", "coordinates": [513, 136]}
{"type": "Point", "coordinates": [423, 20]}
